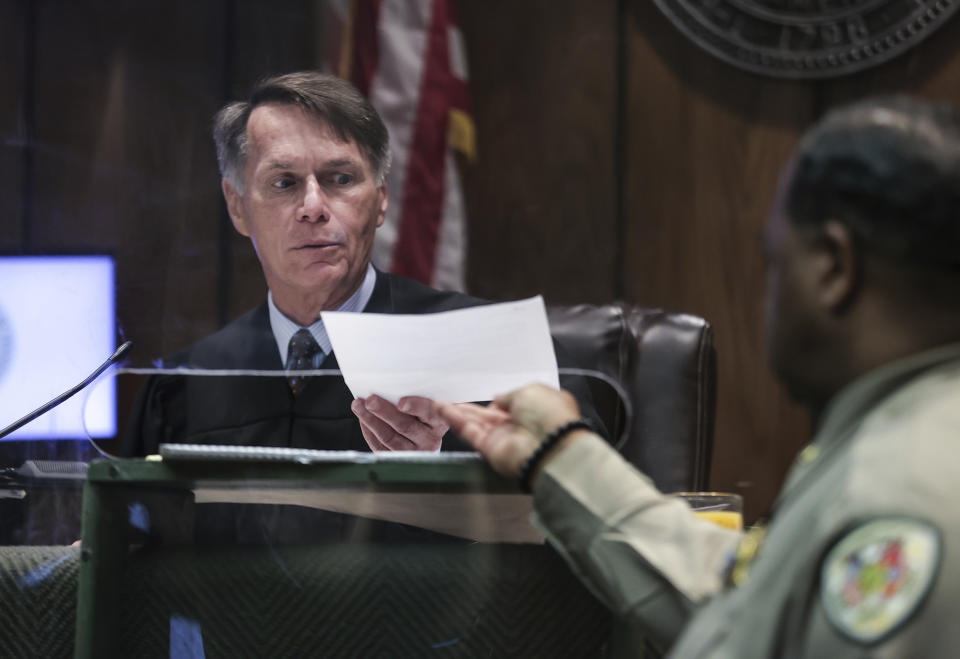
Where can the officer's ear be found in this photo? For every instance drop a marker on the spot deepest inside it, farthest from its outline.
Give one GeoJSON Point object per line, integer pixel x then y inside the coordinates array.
{"type": "Point", "coordinates": [235, 207]}
{"type": "Point", "coordinates": [838, 264]}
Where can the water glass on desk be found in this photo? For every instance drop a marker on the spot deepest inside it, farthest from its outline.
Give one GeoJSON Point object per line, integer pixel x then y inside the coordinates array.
{"type": "Point", "coordinates": [722, 508]}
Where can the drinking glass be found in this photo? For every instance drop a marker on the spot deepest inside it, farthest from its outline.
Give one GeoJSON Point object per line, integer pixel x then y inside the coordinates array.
{"type": "Point", "coordinates": [722, 508]}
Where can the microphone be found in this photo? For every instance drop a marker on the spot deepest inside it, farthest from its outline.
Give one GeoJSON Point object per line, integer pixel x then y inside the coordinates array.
{"type": "Point", "coordinates": [43, 409]}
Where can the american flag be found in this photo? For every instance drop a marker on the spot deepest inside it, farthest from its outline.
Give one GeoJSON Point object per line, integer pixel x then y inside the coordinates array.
{"type": "Point", "coordinates": [408, 58]}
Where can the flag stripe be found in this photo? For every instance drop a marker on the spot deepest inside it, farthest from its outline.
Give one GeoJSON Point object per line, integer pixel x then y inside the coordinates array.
{"type": "Point", "coordinates": [419, 229]}
{"type": "Point", "coordinates": [403, 44]}
{"type": "Point", "coordinates": [452, 245]}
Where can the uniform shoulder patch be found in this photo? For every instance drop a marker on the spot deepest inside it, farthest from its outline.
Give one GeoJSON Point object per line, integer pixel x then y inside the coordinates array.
{"type": "Point", "coordinates": [877, 575]}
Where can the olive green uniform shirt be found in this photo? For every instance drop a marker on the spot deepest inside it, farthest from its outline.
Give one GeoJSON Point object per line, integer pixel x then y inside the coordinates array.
{"type": "Point", "coordinates": [888, 448]}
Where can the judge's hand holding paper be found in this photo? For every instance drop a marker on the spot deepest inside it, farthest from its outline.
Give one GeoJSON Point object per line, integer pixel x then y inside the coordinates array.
{"type": "Point", "coordinates": [395, 365]}
{"type": "Point", "coordinates": [410, 425]}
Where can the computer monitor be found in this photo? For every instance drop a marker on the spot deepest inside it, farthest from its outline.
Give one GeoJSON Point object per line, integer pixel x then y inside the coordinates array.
{"type": "Point", "coordinates": [57, 324]}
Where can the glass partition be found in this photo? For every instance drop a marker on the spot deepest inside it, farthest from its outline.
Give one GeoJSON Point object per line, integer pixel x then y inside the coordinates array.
{"type": "Point", "coordinates": [114, 229]}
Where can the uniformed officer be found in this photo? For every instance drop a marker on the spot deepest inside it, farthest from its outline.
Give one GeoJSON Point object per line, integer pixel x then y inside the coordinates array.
{"type": "Point", "coordinates": [861, 555]}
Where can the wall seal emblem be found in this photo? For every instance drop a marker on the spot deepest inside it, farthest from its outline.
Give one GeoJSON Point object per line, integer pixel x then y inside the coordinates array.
{"type": "Point", "coordinates": [807, 38]}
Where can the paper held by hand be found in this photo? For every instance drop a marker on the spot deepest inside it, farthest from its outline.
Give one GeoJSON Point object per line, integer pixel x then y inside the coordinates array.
{"type": "Point", "coordinates": [459, 356]}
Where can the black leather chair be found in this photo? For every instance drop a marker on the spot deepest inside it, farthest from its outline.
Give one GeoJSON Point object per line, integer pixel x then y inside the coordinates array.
{"type": "Point", "coordinates": [667, 364]}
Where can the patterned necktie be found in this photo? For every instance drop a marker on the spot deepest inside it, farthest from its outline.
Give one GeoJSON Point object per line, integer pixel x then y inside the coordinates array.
{"type": "Point", "coordinates": [303, 353]}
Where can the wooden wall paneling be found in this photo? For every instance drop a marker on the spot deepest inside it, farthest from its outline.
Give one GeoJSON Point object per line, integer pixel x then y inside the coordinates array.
{"type": "Point", "coordinates": [124, 164]}
{"type": "Point", "coordinates": [12, 43]}
{"type": "Point", "coordinates": [270, 37]}
{"type": "Point", "coordinates": [705, 145]}
{"type": "Point", "coordinates": [130, 167]}
{"type": "Point", "coordinates": [541, 197]}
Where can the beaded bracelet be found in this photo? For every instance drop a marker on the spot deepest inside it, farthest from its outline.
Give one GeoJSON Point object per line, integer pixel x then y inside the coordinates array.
{"type": "Point", "coordinates": [551, 440]}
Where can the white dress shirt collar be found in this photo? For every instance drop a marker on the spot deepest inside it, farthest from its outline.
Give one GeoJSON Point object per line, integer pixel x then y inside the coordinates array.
{"type": "Point", "coordinates": [284, 328]}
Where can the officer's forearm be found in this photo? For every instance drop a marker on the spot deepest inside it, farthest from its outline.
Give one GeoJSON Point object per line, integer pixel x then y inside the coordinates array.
{"type": "Point", "coordinates": [644, 555]}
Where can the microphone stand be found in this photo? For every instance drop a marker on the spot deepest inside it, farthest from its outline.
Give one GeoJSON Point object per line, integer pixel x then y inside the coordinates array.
{"type": "Point", "coordinates": [43, 409]}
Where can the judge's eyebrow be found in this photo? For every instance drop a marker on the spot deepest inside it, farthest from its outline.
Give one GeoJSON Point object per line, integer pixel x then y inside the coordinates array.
{"type": "Point", "coordinates": [337, 163]}
{"type": "Point", "coordinates": [341, 162]}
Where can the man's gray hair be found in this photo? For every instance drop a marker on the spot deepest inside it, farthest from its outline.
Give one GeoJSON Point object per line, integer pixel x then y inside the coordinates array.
{"type": "Point", "coordinates": [326, 97]}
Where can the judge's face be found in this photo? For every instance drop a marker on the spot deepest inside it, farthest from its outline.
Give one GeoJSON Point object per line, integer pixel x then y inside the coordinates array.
{"type": "Point", "coordinates": [310, 205]}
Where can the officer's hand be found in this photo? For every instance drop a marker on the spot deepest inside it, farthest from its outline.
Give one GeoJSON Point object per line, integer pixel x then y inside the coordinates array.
{"type": "Point", "coordinates": [509, 430]}
{"type": "Point", "coordinates": [411, 425]}
{"type": "Point", "coordinates": [539, 409]}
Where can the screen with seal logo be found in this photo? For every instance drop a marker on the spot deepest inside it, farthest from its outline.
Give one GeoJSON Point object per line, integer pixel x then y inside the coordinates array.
{"type": "Point", "coordinates": [56, 326]}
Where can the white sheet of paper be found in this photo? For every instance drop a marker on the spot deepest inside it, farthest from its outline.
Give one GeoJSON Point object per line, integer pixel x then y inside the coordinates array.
{"type": "Point", "coordinates": [458, 356]}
